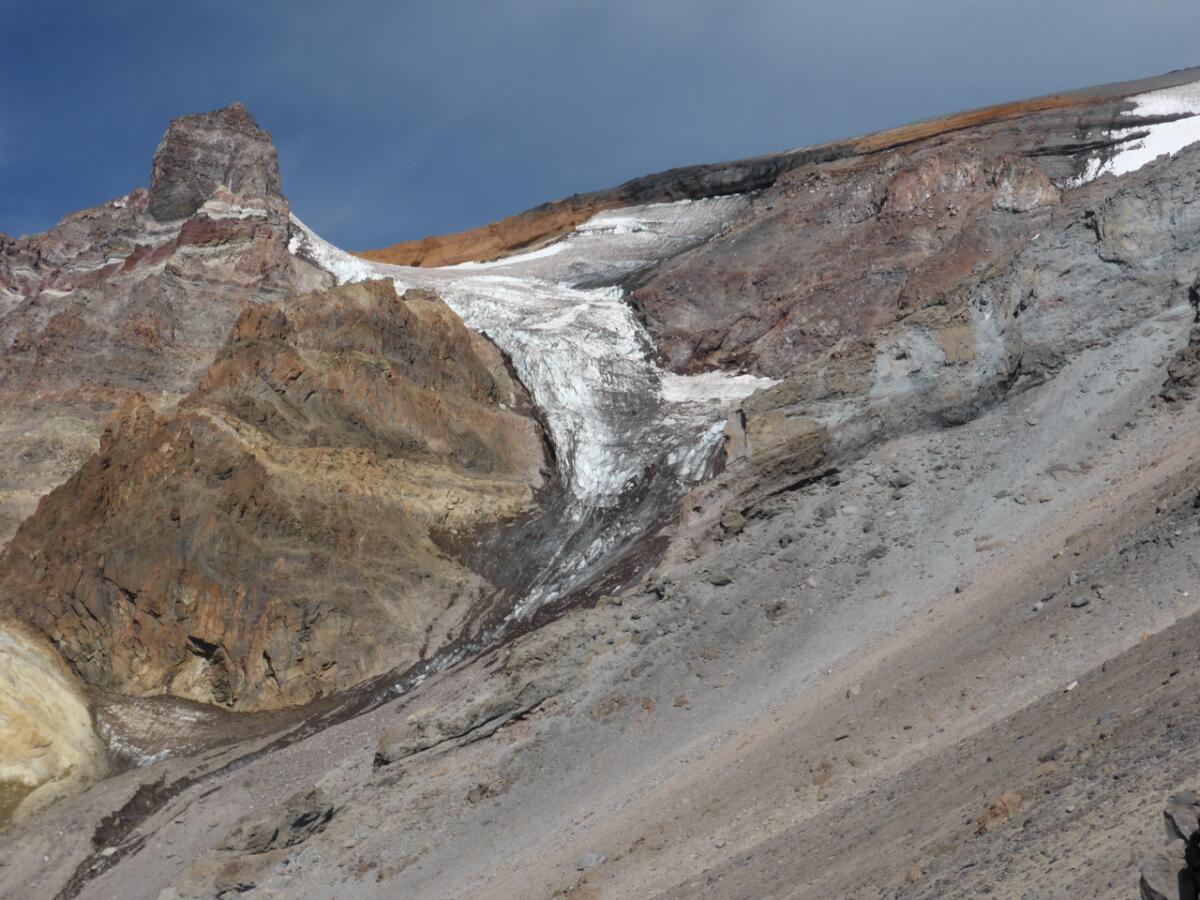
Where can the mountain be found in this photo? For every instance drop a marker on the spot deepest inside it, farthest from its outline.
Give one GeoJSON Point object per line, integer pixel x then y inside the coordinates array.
{"type": "Point", "coordinates": [817, 525]}
{"type": "Point", "coordinates": [272, 537]}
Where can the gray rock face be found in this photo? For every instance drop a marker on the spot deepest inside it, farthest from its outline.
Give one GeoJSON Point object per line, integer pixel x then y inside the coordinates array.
{"type": "Point", "coordinates": [1022, 187]}
{"type": "Point", "coordinates": [304, 814]}
{"type": "Point", "coordinates": [1172, 873]}
{"type": "Point", "coordinates": [1163, 878]}
{"type": "Point", "coordinates": [1183, 374]}
{"type": "Point", "coordinates": [1180, 817]}
{"type": "Point", "coordinates": [202, 152]}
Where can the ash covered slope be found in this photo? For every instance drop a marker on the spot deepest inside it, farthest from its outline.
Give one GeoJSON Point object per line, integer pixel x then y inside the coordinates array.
{"type": "Point", "coordinates": [942, 586]}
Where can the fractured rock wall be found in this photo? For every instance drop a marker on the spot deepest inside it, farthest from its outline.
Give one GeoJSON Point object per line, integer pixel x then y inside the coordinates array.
{"type": "Point", "coordinates": [113, 301]}
{"type": "Point", "coordinates": [271, 538]}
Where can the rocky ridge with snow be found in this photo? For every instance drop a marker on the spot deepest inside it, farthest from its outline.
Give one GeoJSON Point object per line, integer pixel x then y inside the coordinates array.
{"type": "Point", "coordinates": [879, 471]}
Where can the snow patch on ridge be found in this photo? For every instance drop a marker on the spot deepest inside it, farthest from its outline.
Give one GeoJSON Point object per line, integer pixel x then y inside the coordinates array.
{"type": "Point", "coordinates": [514, 259]}
{"type": "Point", "coordinates": [346, 268]}
{"type": "Point", "coordinates": [1162, 139]}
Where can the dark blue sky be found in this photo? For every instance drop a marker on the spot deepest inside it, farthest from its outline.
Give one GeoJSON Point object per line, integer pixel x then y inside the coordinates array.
{"type": "Point", "coordinates": [399, 119]}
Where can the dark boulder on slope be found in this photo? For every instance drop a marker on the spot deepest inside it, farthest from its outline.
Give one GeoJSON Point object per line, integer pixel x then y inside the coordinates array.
{"type": "Point", "coordinates": [1173, 872]}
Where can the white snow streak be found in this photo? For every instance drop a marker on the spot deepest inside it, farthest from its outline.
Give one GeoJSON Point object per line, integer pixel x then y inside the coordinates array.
{"type": "Point", "coordinates": [1164, 139]}
{"type": "Point", "coordinates": [340, 264]}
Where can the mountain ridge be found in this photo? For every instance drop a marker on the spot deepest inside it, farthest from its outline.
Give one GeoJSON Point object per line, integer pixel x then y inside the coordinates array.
{"type": "Point", "coordinates": [550, 220]}
{"type": "Point", "coordinates": [871, 523]}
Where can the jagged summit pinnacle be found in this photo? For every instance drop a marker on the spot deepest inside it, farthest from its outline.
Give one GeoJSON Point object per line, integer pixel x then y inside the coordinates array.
{"type": "Point", "coordinates": [200, 152]}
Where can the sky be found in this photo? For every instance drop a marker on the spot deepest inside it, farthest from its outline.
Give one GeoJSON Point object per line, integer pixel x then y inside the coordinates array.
{"type": "Point", "coordinates": [403, 118]}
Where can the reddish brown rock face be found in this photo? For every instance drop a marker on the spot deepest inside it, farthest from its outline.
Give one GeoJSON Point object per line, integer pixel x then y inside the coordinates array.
{"type": "Point", "coordinates": [833, 253]}
{"type": "Point", "coordinates": [198, 154]}
{"type": "Point", "coordinates": [257, 528]}
{"type": "Point", "coordinates": [112, 301]}
{"type": "Point", "coordinates": [269, 540]}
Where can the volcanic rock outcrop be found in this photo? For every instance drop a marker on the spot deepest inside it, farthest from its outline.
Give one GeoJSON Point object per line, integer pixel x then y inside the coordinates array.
{"type": "Point", "coordinates": [270, 539]}
{"type": "Point", "coordinates": [832, 254]}
{"type": "Point", "coordinates": [201, 153]}
{"type": "Point", "coordinates": [1173, 872]}
{"type": "Point", "coordinates": [134, 295]}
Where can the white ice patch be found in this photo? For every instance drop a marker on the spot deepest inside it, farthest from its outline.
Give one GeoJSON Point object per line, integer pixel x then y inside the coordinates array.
{"type": "Point", "coordinates": [337, 262]}
{"type": "Point", "coordinates": [215, 208]}
{"type": "Point", "coordinates": [718, 387]}
{"type": "Point", "coordinates": [516, 258]}
{"type": "Point", "coordinates": [1164, 139]}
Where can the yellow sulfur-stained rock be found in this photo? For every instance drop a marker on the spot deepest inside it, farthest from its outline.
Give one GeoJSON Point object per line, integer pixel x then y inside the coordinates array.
{"type": "Point", "coordinates": [47, 745]}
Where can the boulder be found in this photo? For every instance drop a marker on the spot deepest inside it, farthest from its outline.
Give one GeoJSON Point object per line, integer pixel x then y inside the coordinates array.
{"type": "Point", "coordinates": [1173, 871]}
{"type": "Point", "coordinates": [305, 813]}
{"type": "Point", "coordinates": [1183, 372]}
{"type": "Point", "coordinates": [1164, 877]}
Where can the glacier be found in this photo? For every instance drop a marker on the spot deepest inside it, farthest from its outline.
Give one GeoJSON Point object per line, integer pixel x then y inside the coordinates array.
{"type": "Point", "coordinates": [622, 427]}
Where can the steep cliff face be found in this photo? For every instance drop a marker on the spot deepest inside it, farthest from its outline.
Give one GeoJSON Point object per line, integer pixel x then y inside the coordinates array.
{"type": "Point", "coordinates": [135, 295]}
{"type": "Point", "coordinates": [270, 538]}
{"type": "Point", "coordinates": [832, 254]}
{"type": "Point", "coordinates": [201, 153]}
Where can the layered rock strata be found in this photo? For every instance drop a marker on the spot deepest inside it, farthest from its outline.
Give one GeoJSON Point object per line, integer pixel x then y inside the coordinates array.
{"type": "Point", "coordinates": [269, 539]}
{"type": "Point", "coordinates": [135, 295]}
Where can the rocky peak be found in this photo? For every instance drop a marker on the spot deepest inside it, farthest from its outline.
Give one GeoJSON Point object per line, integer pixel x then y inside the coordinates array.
{"type": "Point", "coordinates": [202, 152]}
{"type": "Point", "coordinates": [112, 300]}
